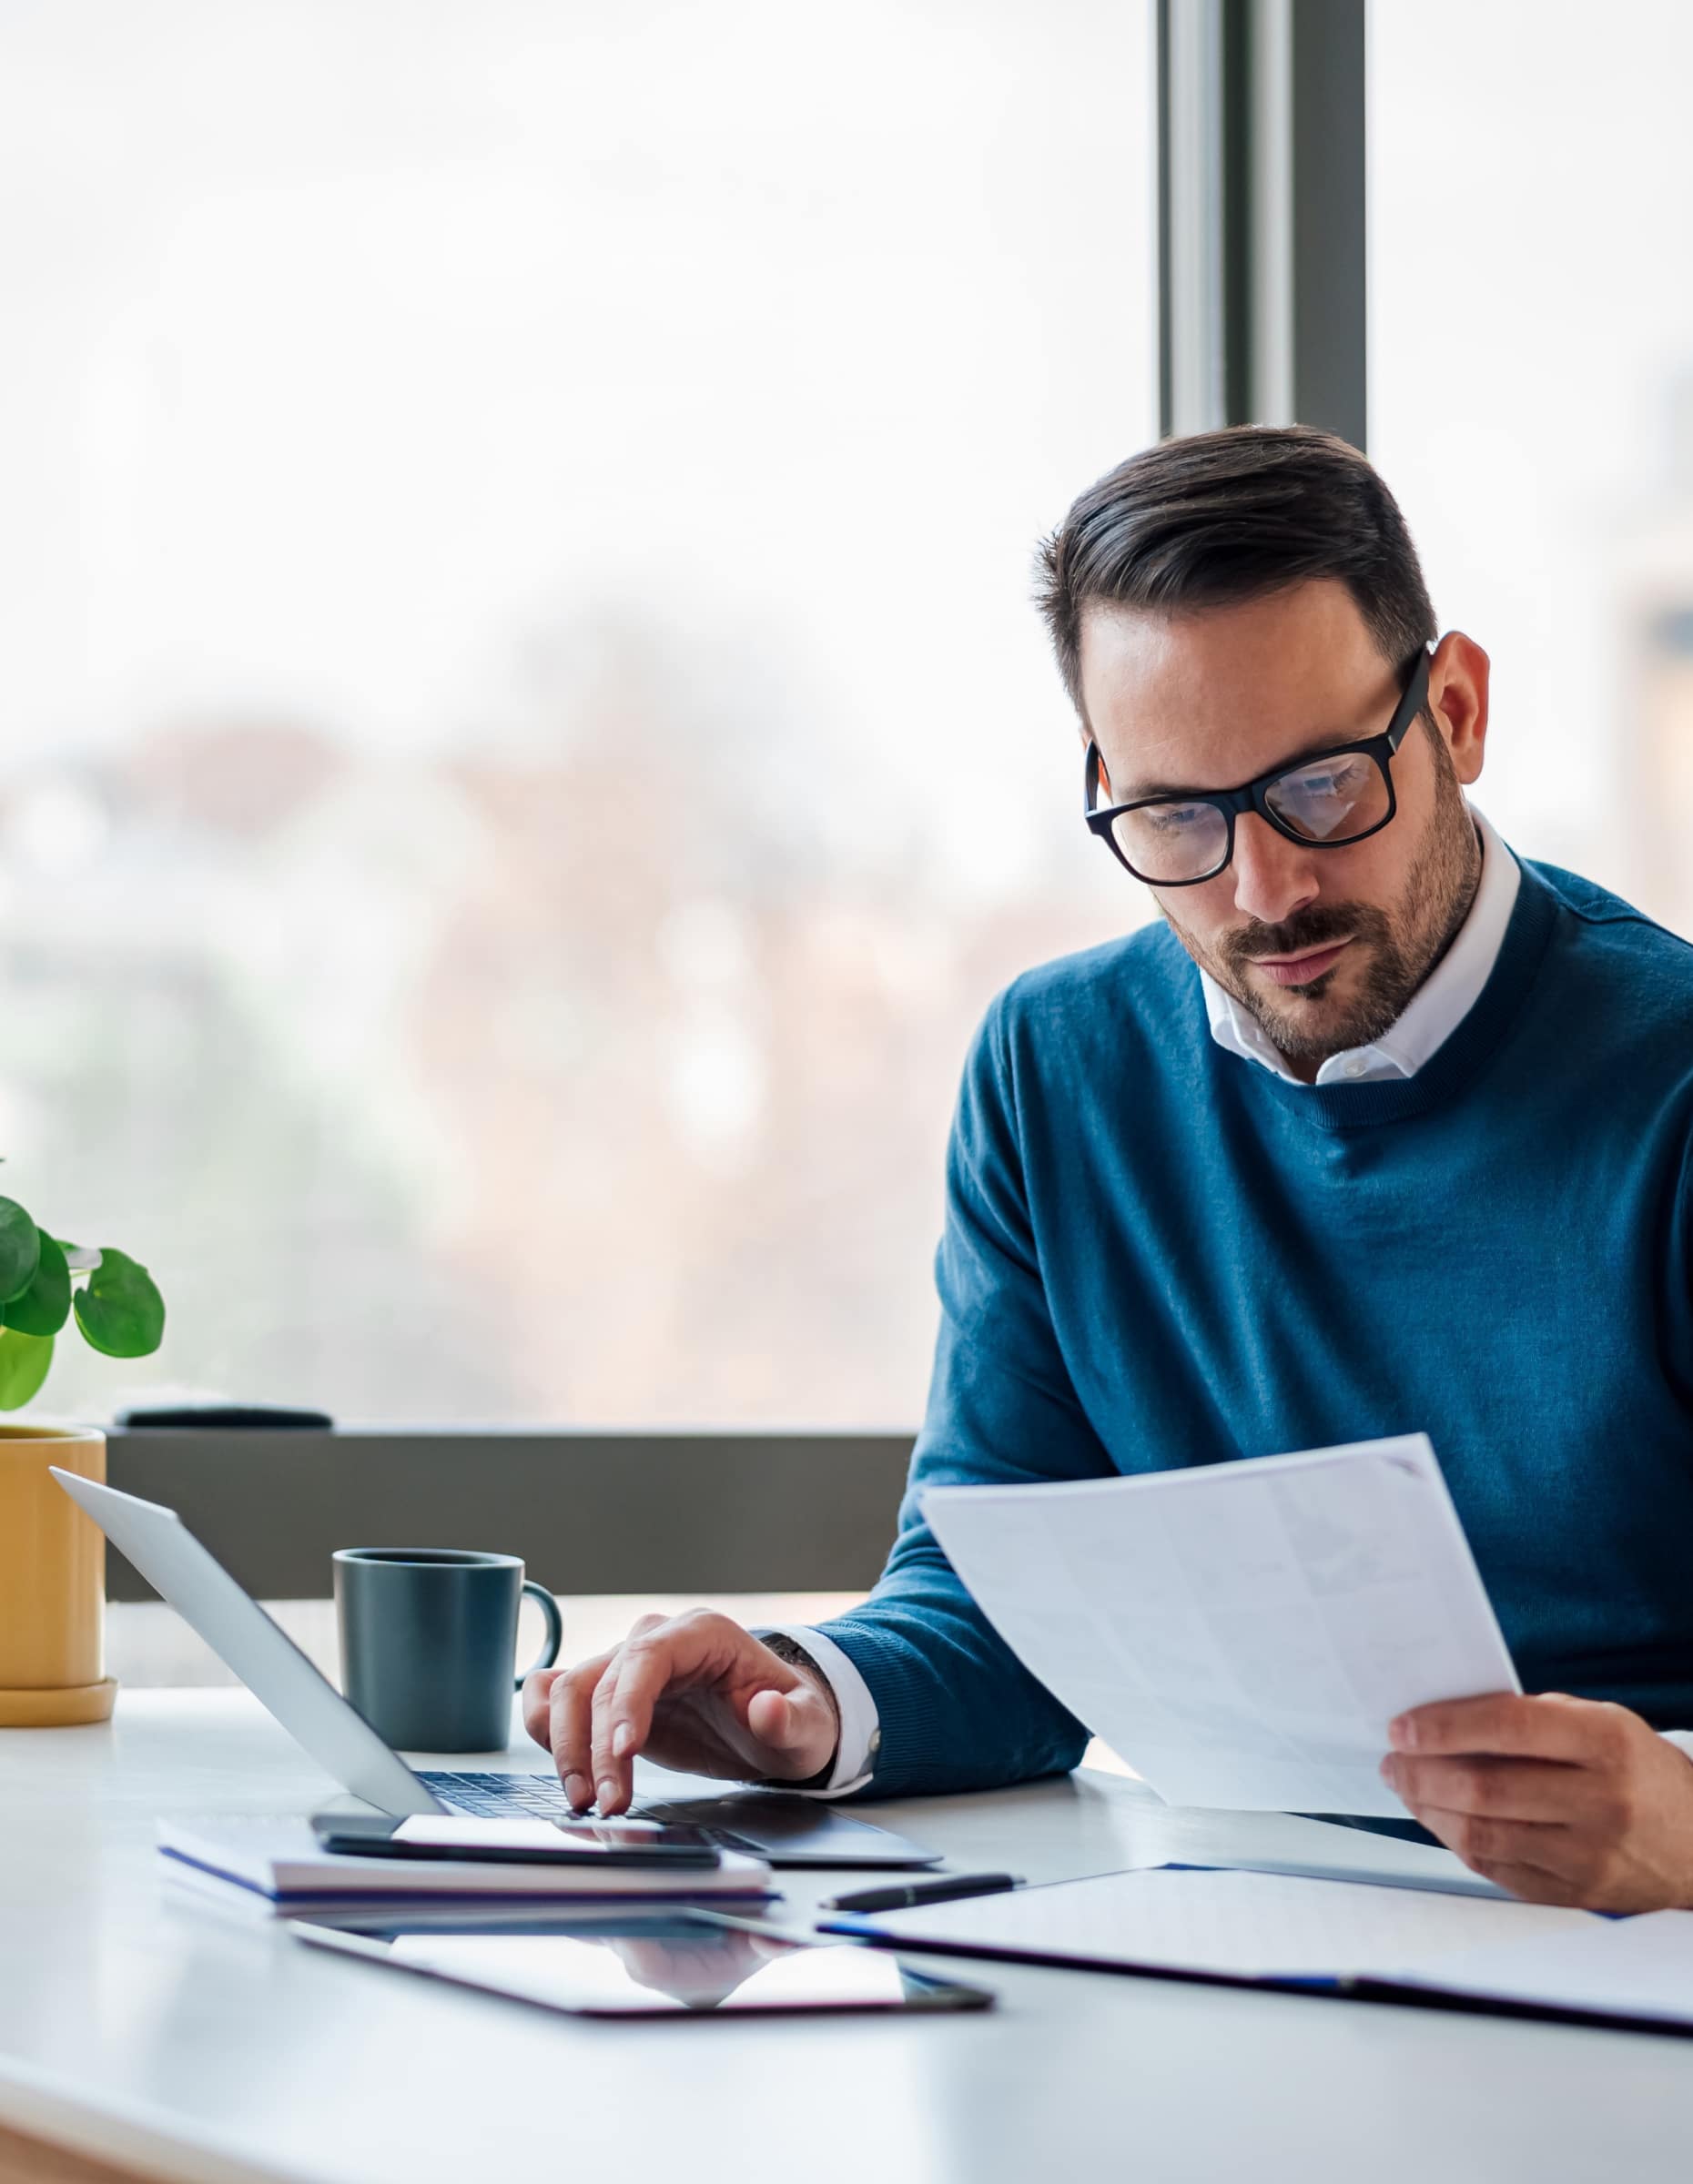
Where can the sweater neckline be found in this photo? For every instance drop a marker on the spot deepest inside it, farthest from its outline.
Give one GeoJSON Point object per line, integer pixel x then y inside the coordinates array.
{"type": "Point", "coordinates": [1453, 1065]}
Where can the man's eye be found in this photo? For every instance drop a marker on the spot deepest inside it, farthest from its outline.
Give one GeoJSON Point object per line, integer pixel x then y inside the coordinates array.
{"type": "Point", "coordinates": [1341, 780]}
{"type": "Point", "coordinates": [1175, 818]}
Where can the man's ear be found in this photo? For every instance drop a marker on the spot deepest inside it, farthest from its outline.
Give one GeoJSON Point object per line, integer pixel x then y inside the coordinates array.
{"type": "Point", "coordinates": [1457, 697]}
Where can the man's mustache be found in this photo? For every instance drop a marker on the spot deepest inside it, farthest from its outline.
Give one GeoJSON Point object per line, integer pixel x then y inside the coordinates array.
{"type": "Point", "coordinates": [1319, 927]}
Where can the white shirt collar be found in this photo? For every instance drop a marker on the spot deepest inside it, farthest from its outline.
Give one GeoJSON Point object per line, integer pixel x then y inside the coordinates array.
{"type": "Point", "coordinates": [1432, 1013]}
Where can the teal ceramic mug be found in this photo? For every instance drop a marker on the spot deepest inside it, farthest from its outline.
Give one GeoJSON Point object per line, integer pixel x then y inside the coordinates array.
{"type": "Point", "coordinates": [427, 1636]}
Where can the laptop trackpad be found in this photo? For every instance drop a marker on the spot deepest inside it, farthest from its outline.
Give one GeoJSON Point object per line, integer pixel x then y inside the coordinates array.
{"type": "Point", "coordinates": [791, 1831]}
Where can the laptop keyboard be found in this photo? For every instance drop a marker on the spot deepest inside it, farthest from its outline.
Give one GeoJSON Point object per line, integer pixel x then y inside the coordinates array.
{"type": "Point", "coordinates": [542, 1797]}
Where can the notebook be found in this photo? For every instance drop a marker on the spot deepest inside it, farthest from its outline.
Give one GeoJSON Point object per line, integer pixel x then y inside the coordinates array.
{"type": "Point", "coordinates": [1258, 1928]}
{"type": "Point", "coordinates": [1347, 1937]}
{"type": "Point", "coordinates": [1635, 1971]}
{"type": "Point", "coordinates": [278, 1858]}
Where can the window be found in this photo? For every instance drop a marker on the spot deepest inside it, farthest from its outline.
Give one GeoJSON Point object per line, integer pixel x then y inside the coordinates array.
{"type": "Point", "coordinates": [1531, 402]}
{"type": "Point", "coordinates": [529, 749]}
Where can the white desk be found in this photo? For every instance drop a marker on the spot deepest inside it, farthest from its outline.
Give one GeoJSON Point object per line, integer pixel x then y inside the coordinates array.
{"type": "Point", "coordinates": [179, 2043]}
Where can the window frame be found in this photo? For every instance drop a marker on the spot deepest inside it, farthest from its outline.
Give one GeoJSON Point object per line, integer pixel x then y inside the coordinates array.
{"type": "Point", "coordinates": [1259, 122]}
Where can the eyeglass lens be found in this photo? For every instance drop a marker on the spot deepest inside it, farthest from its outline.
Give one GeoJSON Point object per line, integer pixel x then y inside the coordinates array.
{"type": "Point", "coordinates": [1330, 801]}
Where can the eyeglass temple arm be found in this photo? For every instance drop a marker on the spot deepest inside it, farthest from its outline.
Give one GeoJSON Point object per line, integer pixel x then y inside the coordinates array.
{"type": "Point", "coordinates": [1415, 697]}
{"type": "Point", "coordinates": [1090, 777]}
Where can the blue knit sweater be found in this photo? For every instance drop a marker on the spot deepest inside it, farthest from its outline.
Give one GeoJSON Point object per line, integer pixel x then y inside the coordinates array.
{"type": "Point", "coordinates": [1157, 1254]}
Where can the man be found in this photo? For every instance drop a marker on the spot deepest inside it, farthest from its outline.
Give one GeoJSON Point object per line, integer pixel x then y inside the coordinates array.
{"type": "Point", "coordinates": [1381, 1131]}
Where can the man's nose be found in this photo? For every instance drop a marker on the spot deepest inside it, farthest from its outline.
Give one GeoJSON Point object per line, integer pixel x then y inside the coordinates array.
{"type": "Point", "coordinates": [1273, 877]}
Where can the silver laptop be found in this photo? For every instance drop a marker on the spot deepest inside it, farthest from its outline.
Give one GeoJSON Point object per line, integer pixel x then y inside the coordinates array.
{"type": "Point", "coordinates": [783, 1828]}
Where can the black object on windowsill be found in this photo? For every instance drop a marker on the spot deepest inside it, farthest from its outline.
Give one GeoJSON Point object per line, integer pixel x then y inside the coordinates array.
{"type": "Point", "coordinates": [224, 1417]}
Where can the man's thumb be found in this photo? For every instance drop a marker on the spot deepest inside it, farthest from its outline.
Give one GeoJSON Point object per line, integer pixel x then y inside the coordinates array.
{"type": "Point", "coordinates": [776, 1719]}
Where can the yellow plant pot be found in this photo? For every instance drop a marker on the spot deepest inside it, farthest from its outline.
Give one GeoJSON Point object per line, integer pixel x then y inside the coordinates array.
{"type": "Point", "coordinates": [51, 1582]}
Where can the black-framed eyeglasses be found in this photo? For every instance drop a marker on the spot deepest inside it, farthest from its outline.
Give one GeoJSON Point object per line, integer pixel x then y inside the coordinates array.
{"type": "Point", "coordinates": [1325, 802]}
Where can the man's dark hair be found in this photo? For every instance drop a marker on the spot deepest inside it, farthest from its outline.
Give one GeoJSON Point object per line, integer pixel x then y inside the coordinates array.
{"type": "Point", "coordinates": [1220, 518]}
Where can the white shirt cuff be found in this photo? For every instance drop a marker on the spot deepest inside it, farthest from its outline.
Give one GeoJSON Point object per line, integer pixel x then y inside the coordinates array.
{"type": "Point", "coordinates": [1682, 1739]}
{"type": "Point", "coordinates": [861, 1732]}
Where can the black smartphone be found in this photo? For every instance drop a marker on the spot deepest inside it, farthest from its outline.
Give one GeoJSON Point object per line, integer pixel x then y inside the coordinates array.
{"type": "Point", "coordinates": [585, 1842]}
{"type": "Point", "coordinates": [642, 1966]}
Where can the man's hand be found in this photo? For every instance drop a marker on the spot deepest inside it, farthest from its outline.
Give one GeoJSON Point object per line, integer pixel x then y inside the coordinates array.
{"type": "Point", "coordinates": [1560, 1800]}
{"type": "Point", "coordinates": [696, 1693]}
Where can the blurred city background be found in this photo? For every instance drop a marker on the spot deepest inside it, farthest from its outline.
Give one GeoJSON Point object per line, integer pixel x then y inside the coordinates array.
{"type": "Point", "coordinates": [527, 746]}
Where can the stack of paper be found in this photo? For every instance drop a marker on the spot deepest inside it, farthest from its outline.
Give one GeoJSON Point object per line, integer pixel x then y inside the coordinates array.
{"type": "Point", "coordinates": [279, 1858]}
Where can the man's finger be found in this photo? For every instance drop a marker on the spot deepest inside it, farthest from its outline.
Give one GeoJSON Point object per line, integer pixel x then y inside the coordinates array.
{"type": "Point", "coordinates": [644, 1668]}
{"type": "Point", "coordinates": [538, 1703]}
{"type": "Point", "coordinates": [1485, 1844]}
{"type": "Point", "coordinates": [1500, 1789]}
{"type": "Point", "coordinates": [572, 1714]}
{"type": "Point", "coordinates": [1574, 1731]}
{"type": "Point", "coordinates": [1532, 1883]}
{"type": "Point", "coordinates": [613, 1772]}
{"type": "Point", "coordinates": [642, 1674]}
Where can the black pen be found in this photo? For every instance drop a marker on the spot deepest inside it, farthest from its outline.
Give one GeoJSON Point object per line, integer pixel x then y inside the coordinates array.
{"type": "Point", "coordinates": [924, 1892]}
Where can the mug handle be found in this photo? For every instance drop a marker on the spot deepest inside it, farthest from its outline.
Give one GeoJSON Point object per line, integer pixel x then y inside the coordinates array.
{"type": "Point", "coordinates": [555, 1639]}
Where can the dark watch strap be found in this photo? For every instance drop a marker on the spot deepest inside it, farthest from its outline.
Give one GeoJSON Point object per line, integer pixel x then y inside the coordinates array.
{"type": "Point", "coordinates": [790, 1650]}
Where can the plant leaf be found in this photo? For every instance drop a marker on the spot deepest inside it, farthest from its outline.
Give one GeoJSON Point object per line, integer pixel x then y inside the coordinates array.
{"type": "Point", "coordinates": [45, 1306]}
{"type": "Point", "coordinates": [23, 1361]}
{"type": "Point", "coordinates": [120, 1311]}
{"type": "Point", "coordinates": [20, 1248]}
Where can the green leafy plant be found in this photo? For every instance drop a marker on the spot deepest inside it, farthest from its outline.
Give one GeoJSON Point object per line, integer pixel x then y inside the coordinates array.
{"type": "Point", "coordinates": [44, 1280]}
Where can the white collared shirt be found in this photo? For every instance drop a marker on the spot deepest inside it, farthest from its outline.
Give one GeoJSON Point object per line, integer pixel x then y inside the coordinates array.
{"type": "Point", "coordinates": [1433, 1014]}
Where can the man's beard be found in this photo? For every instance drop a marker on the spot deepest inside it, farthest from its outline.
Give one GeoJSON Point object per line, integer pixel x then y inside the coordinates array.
{"type": "Point", "coordinates": [1400, 946]}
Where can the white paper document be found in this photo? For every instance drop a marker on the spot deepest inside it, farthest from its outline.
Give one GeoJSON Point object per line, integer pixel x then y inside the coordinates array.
{"type": "Point", "coordinates": [1239, 1634]}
